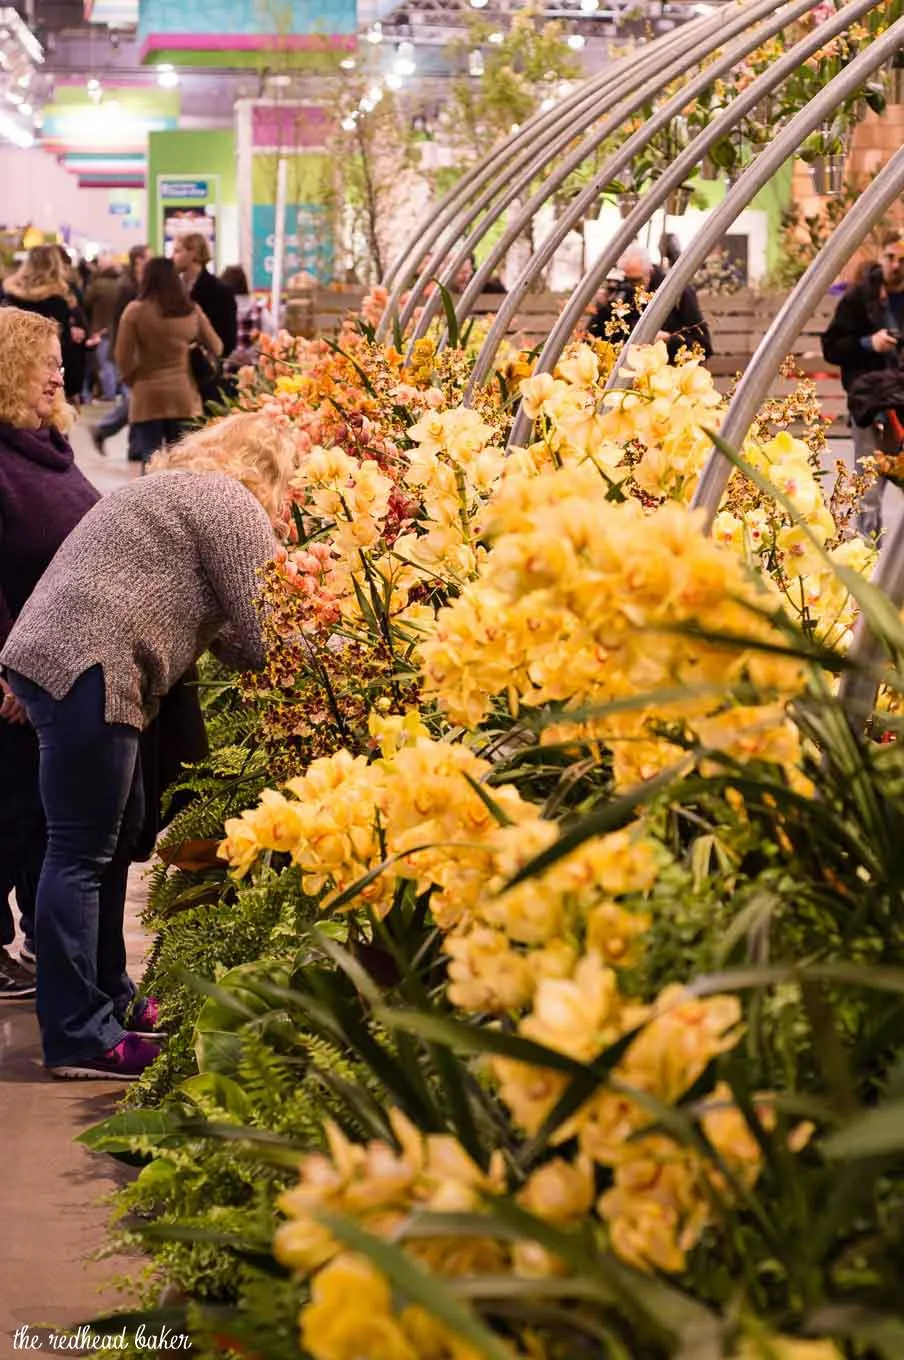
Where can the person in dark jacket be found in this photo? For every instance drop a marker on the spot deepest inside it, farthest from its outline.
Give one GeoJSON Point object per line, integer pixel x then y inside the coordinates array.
{"type": "Point", "coordinates": [191, 256]}
{"type": "Point", "coordinates": [685, 326]}
{"type": "Point", "coordinates": [101, 304]}
{"type": "Point", "coordinates": [43, 496]}
{"type": "Point", "coordinates": [118, 418]}
{"type": "Point", "coordinates": [862, 338]}
{"type": "Point", "coordinates": [41, 285]}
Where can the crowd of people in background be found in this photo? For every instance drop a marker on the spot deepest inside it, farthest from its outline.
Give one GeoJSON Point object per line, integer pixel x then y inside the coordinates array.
{"type": "Point", "coordinates": [103, 362]}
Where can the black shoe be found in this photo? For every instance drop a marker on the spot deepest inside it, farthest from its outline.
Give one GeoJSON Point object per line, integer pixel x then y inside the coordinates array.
{"type": "Point", "coordinates": [97, 439]}
{"type": "Point", "coordinates": [16, 982]}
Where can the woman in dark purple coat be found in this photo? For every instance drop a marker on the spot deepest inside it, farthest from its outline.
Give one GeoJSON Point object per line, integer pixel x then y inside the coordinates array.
{"type": "Point", "coordinates": [42, 498]}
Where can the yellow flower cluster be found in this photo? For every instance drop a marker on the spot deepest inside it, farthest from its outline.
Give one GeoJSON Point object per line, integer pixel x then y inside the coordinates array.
{"type": "Point", "coordinates": [328, 826]}
{"type": "Point", "coordinates": [351, 1314]}
{"type": "Point", "coordinates": [454, 465]}
{"type": "Point", "coordinates": [661, 1198]}
{"type": "Point", "coordinates": [345, 816]}
{"type": "Point", "coordinates": [659, 418]}
{"type": "Point", "coordinates": [380, 1187]}
{"type": "Point", "coordinates": [660, 1201]}
{"type": "Point", "coordinates": [418, 808]}
{"type": "Point", "coordinates": [652, 437]}
{"type": "Point", "coordinates": [763, 532]}
{"type": "Point", "coordinates": [511, 940]}
{"type": "Point", "coordinates": [582, 602]}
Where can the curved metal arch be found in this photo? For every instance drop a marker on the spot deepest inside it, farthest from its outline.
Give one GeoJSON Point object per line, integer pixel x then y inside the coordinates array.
{"type": "Point", "coordinates": [753, 36]}
{"type": "Point", "coordinates": [858, 687]}
{"type": "Point", "coordinates": [522, 146]}
{"type": "Point", "coordinates": [748, 185]}
{"type": "Point", "coordinates": [683, 165]}
{"type": "Point", "coordinates": [770, 353]}
{"type": "Point", "coordinates": [437, 219]}
{"type": "Point", "coordinates": [620, 101]}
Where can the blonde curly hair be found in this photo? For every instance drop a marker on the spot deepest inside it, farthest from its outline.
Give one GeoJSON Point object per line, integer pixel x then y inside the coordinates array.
{"type": "Point", "coordinates": [24, 338]}
{"type": "Point", "coordinates": [257, 448]}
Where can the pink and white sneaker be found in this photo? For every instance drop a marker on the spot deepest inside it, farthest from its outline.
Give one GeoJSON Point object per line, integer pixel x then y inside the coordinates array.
{"type": "Point", "coordinates": [126, 1062]}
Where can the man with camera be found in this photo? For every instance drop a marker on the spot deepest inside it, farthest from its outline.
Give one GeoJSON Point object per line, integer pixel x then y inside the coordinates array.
{"type": "Point", "coordinates": [618, 312]}
{"type": "Point", "coordinates": [863, 339]}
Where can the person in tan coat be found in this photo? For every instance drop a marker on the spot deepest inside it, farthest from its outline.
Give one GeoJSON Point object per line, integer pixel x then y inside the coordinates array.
{"type": "Point", "coordinates": [155, 335]}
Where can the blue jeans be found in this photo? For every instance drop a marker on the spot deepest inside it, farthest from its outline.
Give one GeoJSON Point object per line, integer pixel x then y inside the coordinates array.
{"type": "Point", "coordinates": [147, 436]}
{"type": "Point", "coordinates": [107, 371]}
{"type": "Point", "coordinates": [91, 790]}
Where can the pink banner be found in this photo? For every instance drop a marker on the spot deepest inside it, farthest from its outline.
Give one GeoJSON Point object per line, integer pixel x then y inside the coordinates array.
{"type": "Point", "coordinates": [296, 126]}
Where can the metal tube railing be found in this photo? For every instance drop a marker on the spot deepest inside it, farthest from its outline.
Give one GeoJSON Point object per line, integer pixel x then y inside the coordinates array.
{"type": "Point", "coordinates": [523, 146]}
{"type": "Point", "coordinates": [744, 23]}
{"type": "Point", "coordinates": [683, 165]}
{"type": "Point", "coordinates": [642, 81]}
{"type": "Point", "coordinates": [758, 174]}
{"type": "Point", "coordinates": [799, 305]}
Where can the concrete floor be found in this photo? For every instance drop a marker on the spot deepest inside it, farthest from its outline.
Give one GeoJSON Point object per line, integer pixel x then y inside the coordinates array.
{"type": "Point", "coordinates": [52, 1190]}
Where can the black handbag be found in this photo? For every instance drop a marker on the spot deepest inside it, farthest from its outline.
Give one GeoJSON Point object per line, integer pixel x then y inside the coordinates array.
{"type": "Point", "coordinates": [203, 365]}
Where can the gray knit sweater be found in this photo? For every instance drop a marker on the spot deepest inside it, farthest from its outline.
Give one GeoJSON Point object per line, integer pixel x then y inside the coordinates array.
{"type": "Point", "coordinates": [151, 576]}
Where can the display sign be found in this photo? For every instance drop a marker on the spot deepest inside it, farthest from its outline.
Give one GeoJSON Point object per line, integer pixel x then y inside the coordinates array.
{"type": "Point", "coordinates": [223, 21]}
{"type": "Point", "coordinates": [180, 190]}
{"type": "Point", "coordinates": [296, 134]}
{"type": "Point", "coordinates": [188, 204]}
{"type": "Point", "coordinates": [309, 247]}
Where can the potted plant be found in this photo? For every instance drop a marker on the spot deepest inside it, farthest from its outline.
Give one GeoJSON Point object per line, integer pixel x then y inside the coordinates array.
{"type": "Point", "coordinates": [826, 153]}
{"type": "Point", "coordinates": [679, 200]}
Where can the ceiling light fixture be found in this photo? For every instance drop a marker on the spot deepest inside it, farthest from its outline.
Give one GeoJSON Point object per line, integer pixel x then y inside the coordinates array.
{"type": "Point", "coordinates": [576, 41]}
{"type": "Point", "coordinates": [589, 6]}
{"type": "Point", "coordinates": [375, 33]}
{"type": "Point", "coordinates": [478, 4]}
{"type": "Point", "coordinates": [348, 63]}
{"type": "Point", "coordinates": [497, 38]}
